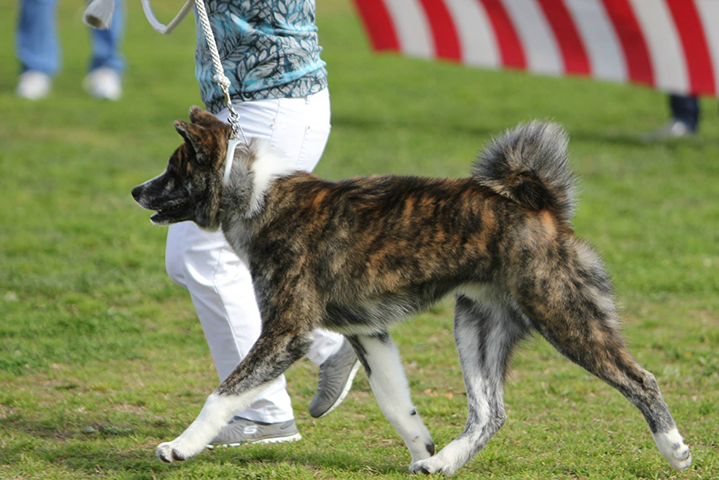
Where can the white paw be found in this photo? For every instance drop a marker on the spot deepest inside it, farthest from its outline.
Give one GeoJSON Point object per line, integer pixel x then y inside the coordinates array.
{"type": "Point", "coordinates": [167, 454]}
{"type": "Point", "coordinates": [680, 457]}
{"type": "Point", "coordinates": [672, 447]}
{"type": "Point", "coordinates": [435, 464]}
{"type": "Point", "coordinates": [422, 449]}
{"type": "Point", "coordinates": [175, 451]}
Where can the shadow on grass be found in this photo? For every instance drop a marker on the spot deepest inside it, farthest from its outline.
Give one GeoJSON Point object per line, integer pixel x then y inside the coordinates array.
{"type": "Point", "coordinates": [49, 430]}
{"type": "Point", "coordinates": [143, 464]}
{"type": "Point", "coordinates": [425, 128]}
{"type": "Point", "coordinates": [315, 459]}
{"type": "Point", "coordinates": [637, 139]}
{"type": "Point", "coordinates": [88, 454]}
{"type": "Point", "coordinates": [602, 135]}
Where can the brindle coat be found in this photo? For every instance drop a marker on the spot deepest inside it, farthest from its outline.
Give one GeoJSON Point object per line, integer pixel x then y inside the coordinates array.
{"type": "Point", "coordinates": [359, 255]}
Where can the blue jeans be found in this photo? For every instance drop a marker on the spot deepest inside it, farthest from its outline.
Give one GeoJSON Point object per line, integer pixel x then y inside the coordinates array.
{"type": "Point", "coordinates": [37, 43]}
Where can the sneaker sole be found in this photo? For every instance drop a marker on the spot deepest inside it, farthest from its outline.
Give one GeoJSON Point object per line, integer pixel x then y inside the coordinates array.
{"type": "Point", "coordinates": [345, 390]}
{"type": "Point", "coordinates": [291, 438]}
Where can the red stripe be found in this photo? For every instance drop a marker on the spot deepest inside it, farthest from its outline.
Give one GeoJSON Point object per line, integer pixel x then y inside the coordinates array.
{"type": "Point", "coordinates": [446, 41]}
{"type": "Point", "coordinates": [696, 50]}
{"type": "Point", "coordinates": [378, 24]}
{"type": "Point", "coordinates": [565, 31]}
{"type": "Point", "coordinates": [631, 37]}
{"type": "Point", "coordinates": [510, 47]}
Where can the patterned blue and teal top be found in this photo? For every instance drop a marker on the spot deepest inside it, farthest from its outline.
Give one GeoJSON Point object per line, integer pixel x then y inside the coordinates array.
{"type": "Point", "coordinates": [268, 49]}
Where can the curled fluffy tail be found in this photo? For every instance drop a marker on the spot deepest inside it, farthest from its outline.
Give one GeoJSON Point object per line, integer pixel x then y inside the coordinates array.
{"type": "Point", "coordinates": [528, 165]}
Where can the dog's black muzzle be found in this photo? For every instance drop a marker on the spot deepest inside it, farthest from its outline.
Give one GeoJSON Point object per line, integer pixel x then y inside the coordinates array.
{"type": "Point", "coordinates": [137, 191]}
{"type": "Point", "coordinates": [170, 207]}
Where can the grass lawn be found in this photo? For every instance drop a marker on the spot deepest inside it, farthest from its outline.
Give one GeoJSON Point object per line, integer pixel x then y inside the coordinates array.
{"type": "Point", "coordinates": [102, 357]}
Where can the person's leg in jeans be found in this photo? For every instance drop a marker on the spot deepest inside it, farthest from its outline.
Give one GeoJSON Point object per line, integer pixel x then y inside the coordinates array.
{"type": "Point", "coordinates": [219, 283]}
{"type": "Point", "coordinates": [684, 121]}
{"type": "Point", "coordinates": [105, 44]}
{"type": "Point", "coordinates": [685, 109]}
{"type": "Point", "coordinates": [36, 37]}
{"type": "Point", "coordinates": [36, 47]}
{"type": "Point", "coordinates": [104, 80]}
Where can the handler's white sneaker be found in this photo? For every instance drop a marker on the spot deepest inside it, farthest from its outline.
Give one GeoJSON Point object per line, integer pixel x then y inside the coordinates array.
{"type": "Point", "coordinates": [240, 430]}
{"type": "Point", "coordinates": [103, 83]}
{"type": "Point", "coordinates": [33, 85]}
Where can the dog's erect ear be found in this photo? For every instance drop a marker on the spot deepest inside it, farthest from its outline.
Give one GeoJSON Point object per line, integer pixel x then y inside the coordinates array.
{"type": "Point", "coordinates": [194, 135]}
{"type": "Point", "coordinates": [202, 117]}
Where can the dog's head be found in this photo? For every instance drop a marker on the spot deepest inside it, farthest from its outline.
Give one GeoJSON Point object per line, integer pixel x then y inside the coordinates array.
{"type": "Point", "coordinates": [190, 187]}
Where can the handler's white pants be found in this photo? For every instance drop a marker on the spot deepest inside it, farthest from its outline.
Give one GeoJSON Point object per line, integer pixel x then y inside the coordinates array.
{"type": "Point", "coordinates": [218, 281]}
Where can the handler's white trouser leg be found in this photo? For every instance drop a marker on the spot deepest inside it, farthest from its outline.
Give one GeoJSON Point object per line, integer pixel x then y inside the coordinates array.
{"type": "Point", "coordinates": [218, 281]}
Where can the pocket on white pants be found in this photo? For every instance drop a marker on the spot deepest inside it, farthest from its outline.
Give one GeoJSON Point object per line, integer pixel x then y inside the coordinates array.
{"type": "Point", "coordinates": [313, 144]}
{"type": "Point", "coordinates": [301, 129]}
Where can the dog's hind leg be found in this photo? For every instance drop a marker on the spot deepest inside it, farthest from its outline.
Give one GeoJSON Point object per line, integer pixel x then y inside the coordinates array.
{"type": "Point", "coordinates": [383, 367]}
{"type": "Point", "coordinates": [572, 307]}
{"type": "Point", "coordinates": [485, 334]}
{"type": "Point", "coordinates": [281, 343]}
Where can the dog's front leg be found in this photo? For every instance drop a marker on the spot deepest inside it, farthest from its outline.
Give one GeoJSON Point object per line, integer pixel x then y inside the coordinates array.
{"type": "Point", "coordinates": [218, 410]}
{"type": "Point", "coordinates": [383, 367]}
{"type": "Point", "coordinates": [271, 355]}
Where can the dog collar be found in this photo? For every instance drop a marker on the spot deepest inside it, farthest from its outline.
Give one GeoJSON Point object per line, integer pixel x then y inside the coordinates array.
{"type": "Point", "coordinates": [231, 144]}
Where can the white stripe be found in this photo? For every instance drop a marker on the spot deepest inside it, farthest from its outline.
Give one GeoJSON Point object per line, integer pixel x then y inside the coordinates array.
{"type": "Point", "coordinates": [413, 30]}
{"type": "Point", "coordinates": [665, 50]}
{"type": "Point", "coordinates": [606, 59]}
{"type": "Point", "coordinates": [267, 167]}
{"type": "Point", "coordinates": [709, 15]}
{"type": "Point", "coordinates": [538, 42]}
{"type": "Point", "coordinates": [479, 46]}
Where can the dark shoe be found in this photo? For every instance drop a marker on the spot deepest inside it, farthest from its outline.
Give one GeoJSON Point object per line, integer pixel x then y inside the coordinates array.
{"type": "Point", "coordinates": [336, 376]}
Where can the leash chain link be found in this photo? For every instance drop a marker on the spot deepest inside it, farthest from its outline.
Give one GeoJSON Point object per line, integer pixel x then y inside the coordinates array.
{"type": "Point", "coordinates": [234, 118]}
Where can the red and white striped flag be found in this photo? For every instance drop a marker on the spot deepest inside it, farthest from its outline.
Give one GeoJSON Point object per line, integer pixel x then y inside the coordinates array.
{"type": "Point", "coordinates": [671, 45]}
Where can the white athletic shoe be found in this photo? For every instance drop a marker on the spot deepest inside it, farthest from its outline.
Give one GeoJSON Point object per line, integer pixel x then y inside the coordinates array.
{"type": "Point", "coordinates": [33, 85]}
{"type": "Point", "coordinates": [242, 431]}
{"type": "Point", "coordinates": [103, 83]}
{"type": "Point", "coordinates": [671, 130]}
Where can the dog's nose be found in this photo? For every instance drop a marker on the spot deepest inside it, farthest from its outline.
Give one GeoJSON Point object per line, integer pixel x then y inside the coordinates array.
{"type": "Point", "coordinates": [136, 192]}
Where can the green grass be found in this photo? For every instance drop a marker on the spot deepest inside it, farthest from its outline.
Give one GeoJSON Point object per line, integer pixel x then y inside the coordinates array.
{"type": "Point", "coordinates": [102, 357]}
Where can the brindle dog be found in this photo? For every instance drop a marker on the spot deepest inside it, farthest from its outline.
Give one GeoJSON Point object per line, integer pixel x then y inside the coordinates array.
{"type": "Point", "coordinates": [359, 255]}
